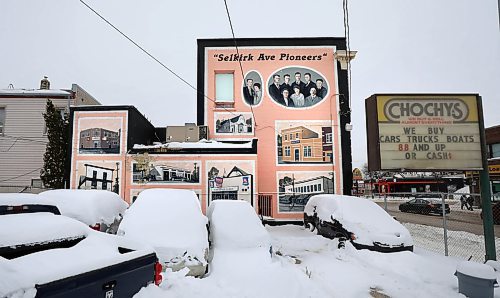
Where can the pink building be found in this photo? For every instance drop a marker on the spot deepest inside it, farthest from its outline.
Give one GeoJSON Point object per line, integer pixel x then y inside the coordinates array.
{"type": "Point", "coordinates": [281, 86]}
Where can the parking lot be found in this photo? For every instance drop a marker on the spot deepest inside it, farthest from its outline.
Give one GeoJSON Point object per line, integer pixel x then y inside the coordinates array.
{"type": "Point", "coordinates": [457, 219]}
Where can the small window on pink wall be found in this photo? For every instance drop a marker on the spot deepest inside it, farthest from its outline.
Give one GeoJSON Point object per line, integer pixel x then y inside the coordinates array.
{"type": "Point", "coordinates": [224, 87]}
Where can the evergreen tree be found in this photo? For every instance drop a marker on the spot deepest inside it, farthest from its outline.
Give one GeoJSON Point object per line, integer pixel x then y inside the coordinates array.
{"type": "Point", "coordinates": [55, 158]}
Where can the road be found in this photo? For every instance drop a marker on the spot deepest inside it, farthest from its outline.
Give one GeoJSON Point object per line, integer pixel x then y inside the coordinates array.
{"type": "Point", "coordinates": [456, 220]}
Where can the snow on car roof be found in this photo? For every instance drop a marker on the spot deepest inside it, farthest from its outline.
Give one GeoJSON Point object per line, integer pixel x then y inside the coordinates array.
{"type": "Point", "coordinates": [31, 228]}
{"type": "Point", "coordinates": [14, 199]}
{"type": "Point", "coordinates": [169, 219]}
{"type": "Point", "coordinates": [88, 206]}
{"type": "Point", "coordinates": [235, 224]}
{"type": "Point", "coordinates": [360, 216]}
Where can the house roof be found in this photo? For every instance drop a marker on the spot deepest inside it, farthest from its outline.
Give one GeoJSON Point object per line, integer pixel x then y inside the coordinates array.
{"type": "Point", "coordinates": [42, 93]}
{"type": "Point", "coordinates": [237, 170]}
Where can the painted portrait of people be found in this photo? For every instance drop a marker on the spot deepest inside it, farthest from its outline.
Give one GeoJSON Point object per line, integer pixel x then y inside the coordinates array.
{"type": "Point", "coordinates": [252, 88]}
{"type": "Point", "coordinates": [297, 87]}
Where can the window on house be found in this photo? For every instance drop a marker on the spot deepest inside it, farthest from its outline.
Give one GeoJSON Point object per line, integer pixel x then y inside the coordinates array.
{"type": "Point", "coordinates": [291, 137]}
{"type": "Point", "coordinates": [224, 87]}
{"type": "Point", "coordinates": [2, 120]}
{"type": "Point", "coordinates": [307, 151]}
{"type": "Point", "coordinates": [495, 150]}
{"type": "Point", "coordinates": [287, 151]}
{"type": "Point", "coordinates": [329, 138]}
{"type": "Point", "coordinates": [296, 135]}
{"type": "Point", "coordinates": [286, 137]}
{"type": "Point", "coordinates": [319, 187]}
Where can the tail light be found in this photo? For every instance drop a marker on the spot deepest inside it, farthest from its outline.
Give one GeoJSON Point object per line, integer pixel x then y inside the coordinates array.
{"type": "Point", "coordinates": [353, 237]}
{"type": "Point", "coordinates": [158, 277]}
{"type": "Point", "coordinates": [96, 227]}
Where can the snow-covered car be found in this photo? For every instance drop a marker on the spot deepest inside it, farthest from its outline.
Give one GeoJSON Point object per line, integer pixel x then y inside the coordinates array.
{"type": "Point", "coordinates": [171, 221]}
{"type": "Point", "coordinates": [43, 254]}
{"type": "Point", "coordinates": [102, 210]}
{"type": "Point", "coordinates": [360, 221]}
{"type": "Point", "coordinates": [234, 225]}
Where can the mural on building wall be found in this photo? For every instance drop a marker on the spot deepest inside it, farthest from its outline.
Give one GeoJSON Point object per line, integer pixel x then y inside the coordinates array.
{"type": "Point", "coordinates": [252, 88]}
{"type": "Point", "coordinates": [297, 87]}
{"type": "Point", "coordinates": [99, 135]}
{"type": "Point", "coordinates": [234, 124]}
{"type": "Point", "coordinates": [99, 175]}
{"type": "Point", "coordinates": [134, 193]}
{"type": "Point", "coordinates": [230, 180]}
{"type": "Point", "coordinates": [295, 188]}
{"type": "Point", "coordinates": [299, 142]}
{"type": "Point", "coordinates": [147, 170]}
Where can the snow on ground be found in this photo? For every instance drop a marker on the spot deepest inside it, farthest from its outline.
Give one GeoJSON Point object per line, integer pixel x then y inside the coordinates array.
{"type": "Point", "coordinates": [463, 245]}
{"type": "Point", "coordinates": [308, 265]}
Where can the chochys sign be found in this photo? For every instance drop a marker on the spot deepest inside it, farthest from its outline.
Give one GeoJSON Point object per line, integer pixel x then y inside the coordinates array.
{"type": "Point", "coordinates": [424, 132]}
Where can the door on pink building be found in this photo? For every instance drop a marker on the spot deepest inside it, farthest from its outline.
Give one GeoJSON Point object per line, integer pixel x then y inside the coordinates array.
{"type": "Point", "coordinates": [297, 154]}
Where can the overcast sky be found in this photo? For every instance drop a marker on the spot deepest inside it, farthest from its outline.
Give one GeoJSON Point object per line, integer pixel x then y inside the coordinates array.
{"type": "Point", "coordinates": [403, 46]}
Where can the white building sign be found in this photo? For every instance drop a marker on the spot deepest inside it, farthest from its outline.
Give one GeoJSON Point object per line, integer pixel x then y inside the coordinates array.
{"type": "Point", "coordinates": [424, 132]}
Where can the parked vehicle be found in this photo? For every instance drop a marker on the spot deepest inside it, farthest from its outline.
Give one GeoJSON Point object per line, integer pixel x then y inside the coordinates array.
{"type": "Point", "coordinates": [495, 209]}
{"type": "Point", "coordinates": [234, 224]}
{"type": "Point", "coordinates": [360, 221]}
{"type": "Point", "coordinates": [102, 210]}
{"type": "Point", "coordinates": [424, 206]}
{"type": "Point", "coordinates": [57, 256]}
{"type": "Point", "coordinates": [171, 221]}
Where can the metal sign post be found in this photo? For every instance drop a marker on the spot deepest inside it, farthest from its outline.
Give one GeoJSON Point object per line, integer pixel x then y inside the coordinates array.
{"type": "Point", "coordinates": [484, 184]}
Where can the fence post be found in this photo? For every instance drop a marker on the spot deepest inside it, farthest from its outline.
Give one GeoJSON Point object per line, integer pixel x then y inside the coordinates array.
{"type": "Point", "coordinates": [445, 226]}
{"type": "Point", "coordinates": [385, 202]}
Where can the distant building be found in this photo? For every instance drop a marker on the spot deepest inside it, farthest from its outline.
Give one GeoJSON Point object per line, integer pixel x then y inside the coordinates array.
{"type": "Point", "coordinates": [300, 144]}
{"type": "Point", "coordinates": [23, 134]}
{"type": "Point", "coordinates": [234, 125]}
{"type": "Point", "coordinates": [100, 139]}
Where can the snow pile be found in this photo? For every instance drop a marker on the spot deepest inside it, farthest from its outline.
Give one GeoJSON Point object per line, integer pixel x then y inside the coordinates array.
{"type": "Point", "coordinates": [14, 284]}
{"type": "Point", "coordinates": [476, 270]}
{"type": "Point", "coordinates": [88, 206]}
{"type": "Point", "coordinates": [234, 224]}
{"type": "Point", "coordinates": [202, 144]}
{"type": "Point", "coordinates": [367, 220]}
{"type": "Point", "coordinates": [31, 228]}
{"type": "Point", "coordinates": [170, 220]}
{"type": "Point", "coordinates": [313, 266]}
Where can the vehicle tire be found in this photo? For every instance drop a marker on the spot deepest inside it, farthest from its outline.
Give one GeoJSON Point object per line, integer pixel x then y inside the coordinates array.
{"type": "Point", "coordinates": [309, 226]}
{"type": "Point", "coordinates": [318, 228]}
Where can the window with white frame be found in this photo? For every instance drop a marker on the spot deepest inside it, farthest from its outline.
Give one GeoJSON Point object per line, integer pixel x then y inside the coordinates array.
{"type": "Point", "coordinates": [2, 120]}
{"type": "Point", "coordinates": [329, 138]}
{"type": "Point", "coordinates": [287, 151]}
{"type": "Point", "coordinates": [224, 87]}
{"type": "Point", "coordinates": [307, 151]}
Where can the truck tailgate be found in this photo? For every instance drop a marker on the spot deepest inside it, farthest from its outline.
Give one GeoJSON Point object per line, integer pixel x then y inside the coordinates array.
{"type": "Point", "coordinates": [120, 280]}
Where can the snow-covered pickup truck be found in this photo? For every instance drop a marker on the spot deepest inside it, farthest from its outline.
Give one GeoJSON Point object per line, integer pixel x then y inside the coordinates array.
{"type": "Point", "coordinates": [43, 254]}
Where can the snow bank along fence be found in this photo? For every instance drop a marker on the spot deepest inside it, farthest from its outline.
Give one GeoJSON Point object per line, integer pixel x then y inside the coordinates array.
{"type": "Point", "coordinates": [445, 223]}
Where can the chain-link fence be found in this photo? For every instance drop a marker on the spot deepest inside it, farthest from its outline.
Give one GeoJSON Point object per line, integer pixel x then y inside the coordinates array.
{"type": "Point", "coordinates": [444, 223]}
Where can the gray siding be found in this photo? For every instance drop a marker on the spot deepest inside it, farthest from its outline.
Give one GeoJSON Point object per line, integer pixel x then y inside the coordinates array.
{"type": "Point", "coordinates": [23, 144]}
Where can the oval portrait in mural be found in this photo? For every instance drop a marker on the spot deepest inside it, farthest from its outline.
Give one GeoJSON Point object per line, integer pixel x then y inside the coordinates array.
{"type": "Point", "coordinates": [252, 88]}
{"type": "Point", "coordinates": [297, 87]}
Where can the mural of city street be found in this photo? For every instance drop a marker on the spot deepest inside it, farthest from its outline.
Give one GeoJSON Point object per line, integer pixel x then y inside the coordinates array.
{"type": "Point", "coordinates": [99, 138]}
{"type": "Point", "coordinates": [166, 172]}
{"type": "Point", "coordinates": [295, 188]}
{"type": "Point", "coordinates": [234, 124]}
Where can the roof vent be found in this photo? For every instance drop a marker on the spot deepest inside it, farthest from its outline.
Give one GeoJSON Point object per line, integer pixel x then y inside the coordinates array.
{"type": "Point", "coordinates": [44, 84]}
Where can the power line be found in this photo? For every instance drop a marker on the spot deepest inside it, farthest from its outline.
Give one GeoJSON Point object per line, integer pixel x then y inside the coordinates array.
{"type": "Point", "coordinates": [345, 8]}
{"type": "Point", "coordinates": [23, 139]}
{"type": "Point", "coordinates": [151, 56]}
{"type": "Point", "coordinates": [238, 54]}
{"type": "Point", "coordinates": [19, 176]}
